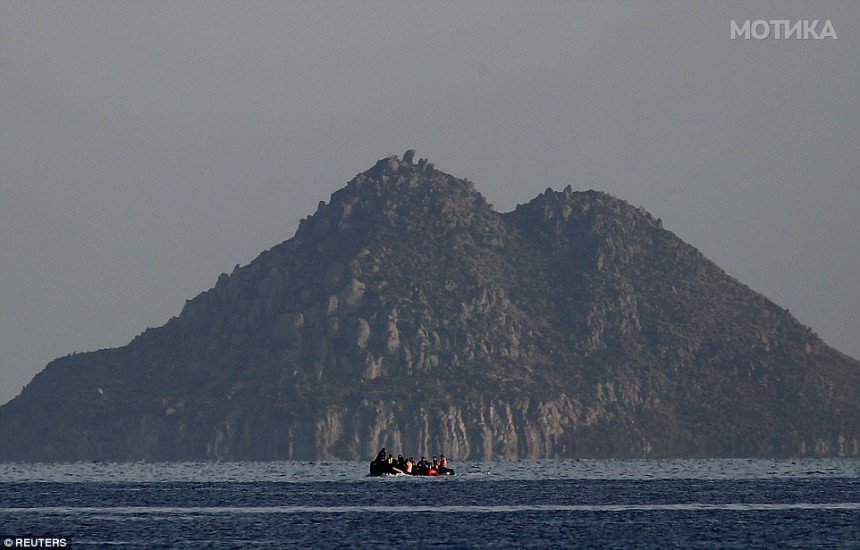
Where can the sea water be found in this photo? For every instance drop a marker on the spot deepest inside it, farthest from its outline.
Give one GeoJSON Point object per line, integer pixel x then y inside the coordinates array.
{"type": "Point", "coordinates": [516, 504]}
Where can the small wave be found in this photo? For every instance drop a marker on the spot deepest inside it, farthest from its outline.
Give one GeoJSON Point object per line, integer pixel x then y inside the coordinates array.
{"type": "Point", "coordinates": [208, 510]}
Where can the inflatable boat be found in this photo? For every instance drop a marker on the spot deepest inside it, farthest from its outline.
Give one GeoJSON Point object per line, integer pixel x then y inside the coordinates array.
{"type": "Point", "coordinates": [386, 469]}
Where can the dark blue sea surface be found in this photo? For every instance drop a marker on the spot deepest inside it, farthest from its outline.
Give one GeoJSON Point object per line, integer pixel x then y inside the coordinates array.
{"type": "Point", "coordinates": [530, 504]}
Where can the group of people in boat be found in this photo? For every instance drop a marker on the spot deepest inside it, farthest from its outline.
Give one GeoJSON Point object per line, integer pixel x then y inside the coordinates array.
{"type": "Point", "coordinates": [388, 464]}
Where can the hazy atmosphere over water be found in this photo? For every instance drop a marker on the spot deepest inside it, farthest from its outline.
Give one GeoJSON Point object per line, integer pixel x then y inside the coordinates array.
{"type": "Point", "coordinates": [147, 147]}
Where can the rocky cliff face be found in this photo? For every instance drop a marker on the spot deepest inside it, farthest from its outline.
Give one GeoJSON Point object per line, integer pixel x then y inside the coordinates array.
{"type": "Point", "coordinates": [407, 313]}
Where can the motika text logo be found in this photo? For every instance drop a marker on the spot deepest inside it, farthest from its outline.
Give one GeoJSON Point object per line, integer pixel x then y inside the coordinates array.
{"type": "Point", "coordinates": [783, 29]}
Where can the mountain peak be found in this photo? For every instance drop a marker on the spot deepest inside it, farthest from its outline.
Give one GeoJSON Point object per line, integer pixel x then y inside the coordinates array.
{"type": "Point", "coordinates": [393, 174]}
{"type": "Point", "coordinates": [395, 193]}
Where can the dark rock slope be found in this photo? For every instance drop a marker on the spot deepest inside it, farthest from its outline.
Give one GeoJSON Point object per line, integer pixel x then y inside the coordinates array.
{"type": "Point", "coordinates": [407, 313]}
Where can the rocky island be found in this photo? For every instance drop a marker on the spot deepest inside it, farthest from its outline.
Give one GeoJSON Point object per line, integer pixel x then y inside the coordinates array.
{"type": "Point", "coordinates": [407, 313]}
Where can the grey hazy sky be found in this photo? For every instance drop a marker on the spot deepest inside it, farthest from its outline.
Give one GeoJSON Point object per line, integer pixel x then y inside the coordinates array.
{"type": "Point", "coordinates": [146, 147]}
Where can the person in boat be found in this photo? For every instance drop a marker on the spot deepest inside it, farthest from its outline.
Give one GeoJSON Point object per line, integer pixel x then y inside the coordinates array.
{"type": "Point", "coordinates": [383, 464]}
{"type": "Point", "coordinates": [381, 456]}
{"type": "Point", "coordinates": [443, 465]}
{"type": "Point", "coordinates": [409, 464]}
{"type": "Point", "coordinates": [433, 467]}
